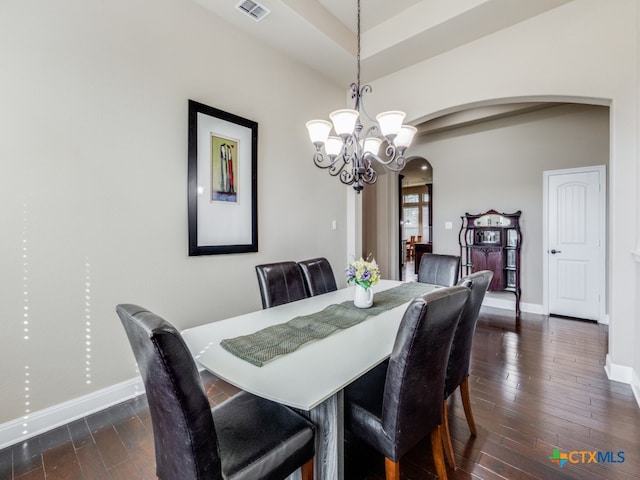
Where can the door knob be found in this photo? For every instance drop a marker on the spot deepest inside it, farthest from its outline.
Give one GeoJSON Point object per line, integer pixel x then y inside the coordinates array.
{"type": "Point", "coordinates": [554, 251]}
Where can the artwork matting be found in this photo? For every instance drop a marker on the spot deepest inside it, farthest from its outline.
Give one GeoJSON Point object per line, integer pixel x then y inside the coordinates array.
{"type": "Point", "coordinates": [222, 182]}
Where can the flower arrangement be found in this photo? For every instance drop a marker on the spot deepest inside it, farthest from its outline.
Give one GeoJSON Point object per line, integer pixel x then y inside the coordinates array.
{"type": "Point", "coordinates": [363, 272]}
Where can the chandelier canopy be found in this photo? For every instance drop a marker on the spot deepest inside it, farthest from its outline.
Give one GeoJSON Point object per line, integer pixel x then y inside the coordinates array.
{"type": "Point", "coordinates": [349, 153]}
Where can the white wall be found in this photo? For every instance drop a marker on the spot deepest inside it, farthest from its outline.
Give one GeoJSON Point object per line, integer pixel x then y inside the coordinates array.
{"type": "Point", "coordinates": [586, 49]}
{"type": "Point", "coordinates": [93, 189]}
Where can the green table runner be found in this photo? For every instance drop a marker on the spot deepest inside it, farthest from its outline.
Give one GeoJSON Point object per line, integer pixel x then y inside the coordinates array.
{"type": "Point", "coordinates": [264, 345]}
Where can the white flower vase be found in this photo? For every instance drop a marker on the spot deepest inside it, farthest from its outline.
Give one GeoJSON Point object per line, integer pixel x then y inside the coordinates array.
{"type": "Point", "coordinates": [363, 297]}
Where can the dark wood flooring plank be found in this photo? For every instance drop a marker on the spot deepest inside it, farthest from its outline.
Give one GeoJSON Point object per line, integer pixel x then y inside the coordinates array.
{"type": "Point", "coordinates": [61, 463]}
{"type": "Point", "coordinates": [27, 456]}
{"type": "Point", "coordinates": [144, 458]}
{"type": "Point", "coordinates": [503, 469]}
{"type": "Point", "coordinates": [35, 474]}
{"type": "Point", "coordinates": [111, 448]}
{"type": "Point", "coordinates": [6, 464]}
{"type": "Point", "coordinates": [80, 433]}
{"type": "Point", "coordinates": [110, 416]}
{"type": "Point", "coordinates": [472, 472]}
{"type": "Point", "coordinates": [126, 471]}
{"type": "Point", "coordinates": [91, 463]}
{"type": "Point", "coordinates": [55, 437]}
{"type": "Point", "coordinates": [132, 432]}
{"type": "Point", "coordinates": [138, 440]}
{"type": "Point", "coordinates": [145, 418]}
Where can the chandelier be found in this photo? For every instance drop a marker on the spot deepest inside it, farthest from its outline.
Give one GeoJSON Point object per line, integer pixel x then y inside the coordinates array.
{"type": "Point", "coordinates": [349, 153]}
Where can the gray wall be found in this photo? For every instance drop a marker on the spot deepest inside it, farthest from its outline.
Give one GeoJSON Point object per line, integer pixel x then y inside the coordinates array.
{"type": "Point", "coordinates": [499, 164]}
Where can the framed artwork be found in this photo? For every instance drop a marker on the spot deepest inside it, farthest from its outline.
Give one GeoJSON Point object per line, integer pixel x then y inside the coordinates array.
{"type": "Point", "coordinates": [222, 182]}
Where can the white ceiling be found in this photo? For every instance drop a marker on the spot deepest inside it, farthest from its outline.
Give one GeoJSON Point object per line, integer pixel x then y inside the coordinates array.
{"type": "Point", "coordinates": [395, 33]}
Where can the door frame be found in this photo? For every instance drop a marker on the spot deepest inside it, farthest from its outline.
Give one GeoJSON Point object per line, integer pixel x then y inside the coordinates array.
{"type": "Point", "coordinates": [602, 200]}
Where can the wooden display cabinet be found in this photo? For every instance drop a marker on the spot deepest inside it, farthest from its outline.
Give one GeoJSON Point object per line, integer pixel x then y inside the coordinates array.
{"type": "Point", "coordinates": [492, 241]}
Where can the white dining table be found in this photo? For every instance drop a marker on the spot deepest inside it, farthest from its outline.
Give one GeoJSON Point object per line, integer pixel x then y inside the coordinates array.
{"type": "Point", "coordinates": [310, 379]}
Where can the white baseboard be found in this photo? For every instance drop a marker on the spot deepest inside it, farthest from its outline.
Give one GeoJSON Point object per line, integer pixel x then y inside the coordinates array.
{"type": "Point", "coordinates": [623, 374]}
{"type": "Point", "coordinates": [32, 424]}
{"type": "Point", "coordinates": [506, 303]}
{"type": "Point", "coordinates": [510, 304]}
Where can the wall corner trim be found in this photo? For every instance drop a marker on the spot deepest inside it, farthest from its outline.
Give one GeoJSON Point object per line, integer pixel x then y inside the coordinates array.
{"type": "Point", "coordinates": [635, 386]}
{"type": "Point", "coordinates": [618, 373]}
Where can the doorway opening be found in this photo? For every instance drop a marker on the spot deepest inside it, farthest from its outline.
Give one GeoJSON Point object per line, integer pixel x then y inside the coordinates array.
{"type": "Point", "coordinates": [416, 215]}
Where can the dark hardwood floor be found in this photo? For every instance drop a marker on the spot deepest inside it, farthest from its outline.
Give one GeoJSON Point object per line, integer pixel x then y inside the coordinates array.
{"type": "Point", "coordinates": [536, 385]}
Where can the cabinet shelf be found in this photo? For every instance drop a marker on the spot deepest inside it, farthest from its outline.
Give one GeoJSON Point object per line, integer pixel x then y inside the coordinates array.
{"type": "Point", "coordinates": [492, 241]}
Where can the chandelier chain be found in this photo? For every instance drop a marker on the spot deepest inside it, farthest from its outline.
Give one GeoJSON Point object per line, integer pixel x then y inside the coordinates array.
{"type": "Point", "coordinates": [358, 50]}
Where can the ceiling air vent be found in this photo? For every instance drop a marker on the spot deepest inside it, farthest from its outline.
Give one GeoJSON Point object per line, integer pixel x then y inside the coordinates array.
{"type": "Point", "coordinates": [253, 9]}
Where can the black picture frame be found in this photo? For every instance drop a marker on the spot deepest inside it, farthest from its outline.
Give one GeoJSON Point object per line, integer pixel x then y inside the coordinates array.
{"type": "Point", "coordinates": [222, 182]}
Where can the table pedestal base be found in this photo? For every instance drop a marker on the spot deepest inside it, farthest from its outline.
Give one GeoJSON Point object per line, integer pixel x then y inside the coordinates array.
{"type": "Point", "coordinates": [328, 418]}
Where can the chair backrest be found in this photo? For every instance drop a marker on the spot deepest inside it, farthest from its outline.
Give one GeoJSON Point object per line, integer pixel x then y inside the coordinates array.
{"type": "Point", "coordinates": [412, 403]}
{"type": "Point", "coordinates": [318, 276]}
{"type": "Point", "coordinates": [280, 283]}
{"type": "Point", "coordinates": [439, 269]}
{"type": "Point", "coordinates": [184, 433]}
{"type": "Point", "coordinates": [460, 356]}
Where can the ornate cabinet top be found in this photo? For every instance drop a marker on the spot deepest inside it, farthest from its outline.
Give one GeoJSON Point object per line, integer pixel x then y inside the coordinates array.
{"type": "Point", "coordinates": [493, 219]}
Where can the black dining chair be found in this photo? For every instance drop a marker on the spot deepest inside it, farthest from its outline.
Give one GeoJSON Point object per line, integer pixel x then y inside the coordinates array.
{"type": "Point", "coordinates": [245, 437]}
{"type": "Point", "coordinates": [460, 355]}
{"type": "Point", "coordinates": [439, 269]}
{"type": "Point", "coordinates": [398, 403]}
{"type": "Point", "coordinates": [318, 276]}
{"type": "Point", "coordinates": [280, 283]}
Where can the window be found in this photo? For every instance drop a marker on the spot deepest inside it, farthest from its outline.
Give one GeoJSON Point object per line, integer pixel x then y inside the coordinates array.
{"type": "Point", "coordinates": [411, 222]}
{"type": "Point", "coordinates": [426, 228]}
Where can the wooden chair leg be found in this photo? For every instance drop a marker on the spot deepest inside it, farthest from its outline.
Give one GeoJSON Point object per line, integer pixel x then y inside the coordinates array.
{"type": "Point", "coordinates": [446, 437]}
{"type": "Point", "coordinates": [391, 469]}
{"type": "Point", "coordinates": [466, 404]}
{"type": "Point", "coordinates": [307, 470]}
{"type": "Point", "coordinates": [438, 456]}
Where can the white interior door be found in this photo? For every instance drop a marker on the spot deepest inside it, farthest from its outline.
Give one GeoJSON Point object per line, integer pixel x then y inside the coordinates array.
{"type": "Point", "coordinates": [575, 242]}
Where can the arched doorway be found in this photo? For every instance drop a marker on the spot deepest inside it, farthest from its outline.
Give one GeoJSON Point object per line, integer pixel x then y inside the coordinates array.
{"type": "Point", "coordinates": [496, 160]}
{"type": "Point", "coordinates": [416, 214]}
